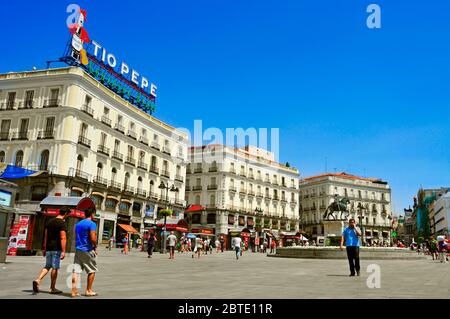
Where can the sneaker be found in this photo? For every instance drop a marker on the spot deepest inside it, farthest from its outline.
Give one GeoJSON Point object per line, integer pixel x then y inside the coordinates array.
{"type": "Point", "coordinates": [352, 275]}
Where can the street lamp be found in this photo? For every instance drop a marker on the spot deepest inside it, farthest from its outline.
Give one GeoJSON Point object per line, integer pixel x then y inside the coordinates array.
{"type": "Point", "coordinates": [166, 211]}
{"type": "Point", "coordinates": [361, 210]}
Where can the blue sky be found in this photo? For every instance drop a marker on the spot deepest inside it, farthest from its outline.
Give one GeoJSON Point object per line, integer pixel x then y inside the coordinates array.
{"type": "Point", "coordinates": [373, 102]}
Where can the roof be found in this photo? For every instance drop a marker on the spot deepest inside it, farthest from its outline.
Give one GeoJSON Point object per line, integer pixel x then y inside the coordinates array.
{"type": "Point", "coordinates": [195, 208]}
{"type": "Point", "coordinates": [78, 202]}
{"type": "Point", "coordinates": [342, 175]}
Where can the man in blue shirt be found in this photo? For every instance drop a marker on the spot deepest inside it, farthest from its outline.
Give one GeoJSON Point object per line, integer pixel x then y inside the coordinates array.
{"type": "Point", "coordinates": [351, 236]}
{"type": "Point", "coordinates": [86, 252]}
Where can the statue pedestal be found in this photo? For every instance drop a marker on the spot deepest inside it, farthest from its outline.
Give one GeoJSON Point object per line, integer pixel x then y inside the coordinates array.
{"type": "Point", "coordinates": [333, 228]}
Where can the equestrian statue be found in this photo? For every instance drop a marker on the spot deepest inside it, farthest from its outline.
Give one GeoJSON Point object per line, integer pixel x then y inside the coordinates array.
{"type": "Point", "coordinates": [340, 207]}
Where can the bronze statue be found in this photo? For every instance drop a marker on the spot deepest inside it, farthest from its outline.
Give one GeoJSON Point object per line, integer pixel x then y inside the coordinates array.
{"type": "Point", "coordinates": [339, 206]}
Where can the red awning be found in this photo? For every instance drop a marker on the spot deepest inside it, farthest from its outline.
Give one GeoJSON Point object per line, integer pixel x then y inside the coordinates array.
{"type": "Point", "coordinates": [195, 208]}
{"type": "Point", "coordinates": [128, 228]}
{"type": "Point", "coordinates": [173, 224]}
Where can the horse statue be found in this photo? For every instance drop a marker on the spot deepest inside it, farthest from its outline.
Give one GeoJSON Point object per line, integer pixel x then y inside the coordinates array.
{"type": "Point", "coordinates": [339, 206]}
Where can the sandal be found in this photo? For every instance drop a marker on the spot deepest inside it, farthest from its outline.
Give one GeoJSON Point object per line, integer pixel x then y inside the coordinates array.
{"type": "Point", "coordinates": [55, 292]}
{"type": "Point", "coordinates": [94, 294]}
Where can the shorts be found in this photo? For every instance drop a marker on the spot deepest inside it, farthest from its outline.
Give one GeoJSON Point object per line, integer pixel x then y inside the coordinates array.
{"type": "Point", "coordinates": [86, 261]}
{"type": "Point", "coordinates": [52, 260]}
{"type": "Point", "coordinates": [172, 249]}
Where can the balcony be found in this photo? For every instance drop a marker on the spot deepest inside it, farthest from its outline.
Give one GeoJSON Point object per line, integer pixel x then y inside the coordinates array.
{"type": "Point", "coordinates": [8, 106]}
{"type": "Point", "coordinates": [232, 189]}
{"type": "Point", "coordinates": [101, 181]}
{"type": "Point", "coordinates": [27, 104]}
{"type": "Point", "coordinates": [84, 141]}
{"type": "Point", "coordinates": [120, 128]}
{"type": "Point", "coordinates": [213, 169]}
{"type": "Point", "coordinates": [180, 156]}
{"type": "Point", "coordinates": [179, 178]}
{"type": "Point", "coordinates": [142, 165]}
{"type": "Point", "coordinates": [46, 135]}
{"type": "Point", "coordinates": [198, 171]}
{"type": "Point", "coordinates": [79, 173]}
{"type": "Point", "coordinates": [87, 109]}
{"type": "Point", "coordinates": [283, 200]}
{"type": "Point", "coordinates": [212, 187]}
{"type": "Point", "coordinates": [141, 192]}
{"type": "Point", "coordinates": [266, 180]}
{"type": "Point", "coordinates": [179, 202]}
{"type": "Point", "coordinates": [106, 120]}
{"type": "Point", "coordinates": [197, 188]}
{"type": "Point", "coordinates": [154, 170]}
{"type": "Point", "coordinates": [188, 188]}
{"type": "Point", "coordinates": [232, 171]}
{"type": "Point", "coordinates": [132, 134]}
{"type": "Point", "coordinates": [294, 202]}
{"type": "Point", "coordinates": [115, 186]}
{"type": "Point", "coordinates": [268, 197]}
{"type": "Point", "coordinates": [259, 195]}
{"type": "Point", "coordinates": [166, 150]}
{"type": "Point", "coordinates": [251, 193]}
{"type": "Point", "coordinates": [5, 136]}
{"type": "Point", "coordinates": [21, 136]}
{"type": "Point", "coordinates": [251, 176]}
{"type": "Point", "coordinates": [242, 174]}
{"type": "Point", "coordinates": [156, 146]}
{"type": "Point", "coordinates": [128, 189]}
{"type": "Point", "coordinates": [143, 140]}
{"type": "Point", "coordinates": [52, 103]}
{"type": "Point", "coordinates": [243, 191]}
{"type": "Point", "coordinates": [103, 149]}
{"type": "Point", "coordinates": [276, 198]}
{"type": "Point", "coordinates": [165, 173]}
{"type": "Point", "coordinates": [130, 160]}
{"type": "Point", "coordinates": [153, 195]}
{"type": "Point", "coordinates": [274, 182]}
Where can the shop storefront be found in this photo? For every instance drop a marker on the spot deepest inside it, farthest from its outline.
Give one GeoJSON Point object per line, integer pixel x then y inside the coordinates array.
{"type": "Point", "coordinates": [178, 226]}
{"type": "Point", "coordinates": [7, 195]}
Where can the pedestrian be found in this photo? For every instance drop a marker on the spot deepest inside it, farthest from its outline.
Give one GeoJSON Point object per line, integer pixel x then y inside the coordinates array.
{"type": "Point", "coordinates": [236, 244]}
{"type": "Point", "coordinates": [217, 245]}
{"type": "Point", "coordinates": [222, 244]}
{"type": "Point", "coordinates": [54, 250]}
{"type": "Point", "coordinates": [172, 239]}
{"type": "Point", "coordinates": [351, 236]}
{"type": "Point", "coordinates": [112, 240]}
{"type": "Point", "coordinates": [151, 244]}
{"type": "Point", "coordinates": [86, 252]}
{"type": "Point", "coordinates": [125, 244]}
{"type": "Point", "coordinates": [442, 248]}
{"type": "Point", "coordinates": [434, 248]}
{"type": "Point", "coordinates": [197, 247]}
{"type": "Point", "coordinates": [273, 246]}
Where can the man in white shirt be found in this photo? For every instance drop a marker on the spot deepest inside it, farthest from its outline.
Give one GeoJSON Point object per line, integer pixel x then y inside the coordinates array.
{"type": "Point", "coordinates": [236, 243]}
{"type": "Point", "coordinates": [172, 239]}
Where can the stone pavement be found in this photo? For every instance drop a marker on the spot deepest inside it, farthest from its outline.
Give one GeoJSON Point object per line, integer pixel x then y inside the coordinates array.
{"type": "Point", "coordinates": [222, 276]}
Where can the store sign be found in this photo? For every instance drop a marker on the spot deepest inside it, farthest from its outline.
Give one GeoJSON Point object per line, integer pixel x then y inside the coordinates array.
{"type": "Point", "coordinates": [105, 67]}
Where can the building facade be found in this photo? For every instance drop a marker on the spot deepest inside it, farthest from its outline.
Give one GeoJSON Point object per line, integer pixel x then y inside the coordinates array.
{"type": "Point", "coordinates": [370, 204]}
{"type": "Point", "coordinates": [440, 215]}
{"type": "Point", "coordinates": [242, 189]}
{"type": "Point", "coordinates": [88, 141]}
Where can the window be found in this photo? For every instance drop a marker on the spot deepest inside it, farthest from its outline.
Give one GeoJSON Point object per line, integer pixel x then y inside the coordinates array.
{"type": "Point", "coordinates": [110, 204]}
{"type": "Point", "coordinates": [38, 192]}
{"type": "Point", "coordinates": [197, 200]}
{"type": "Point", "coordinates": [131, 126]}
{"type": "Point", "coordinates": [83, 130]}
{"type": "Point", "coordinates": [106, 111]}
{"type": "Point", "coordinates": [4, 132]}
{"type": "Point", "coordinates": [2, 156]}
{"type": "Point", "coordinates": [49, 125]}
{"type": "Point", "coordinates": [196, 218]}
{"type": "Point", "coordinates": [140, 183]}
{"type": "Point", "coordinates": [24, 125]}
{"type": "Point", "coordinates": [11, 99]}
{"type": "Point", "coordinates": [97, 200]}
{"type": "Point", "coordinates": [103, 139]}
{"type": "Point", "coordinates": [19, 159]}
{"type": "Point", "coordinates": [54, 94]}
{"type": "Point", "coordinates": [154, 162]}
{"type": "Point", "coordinates": [130, 151]}
{"type": "Point", "coordinates": [87, 100]}
{"type": "Point", "coordinates": [142, 156]}
{"type": "Point", "coordinates": [165, 166]}
{"type": "Point", "coordinates": [43, 164]}
{"type": "Point", "coordinates": [29, 98]}
{"type": "Point", "coordinates": [212, 200]}
{"type": "Point", "coordinates": [126, 182]}
{"type": "Point", "coordinates": [113, 174]}
{"type": "Point", "coordinates": [119, 119]}
{"type": "Point", "coordinates": [211, 218]}
{"type": "Point", "coordinates": [117, 146]}
{"type": "Point", "coordinates": [79, 162]}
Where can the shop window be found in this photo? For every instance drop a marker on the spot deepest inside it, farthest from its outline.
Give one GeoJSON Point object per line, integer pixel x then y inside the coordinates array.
{"type": "Point", "coordinates": [97, 201]}
{"type": "Point", "coordinates": [124, 207]}
{"type": "Point", "coordinates": [76, 193]}
{"type": "Point", "coordinates": [241, 221]}
{"type": "Point", "coordinates": [230, 219]}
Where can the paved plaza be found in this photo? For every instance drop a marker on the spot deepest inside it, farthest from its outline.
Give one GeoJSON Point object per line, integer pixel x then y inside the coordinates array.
{"type": "Point", "coordinates": [221, 276]}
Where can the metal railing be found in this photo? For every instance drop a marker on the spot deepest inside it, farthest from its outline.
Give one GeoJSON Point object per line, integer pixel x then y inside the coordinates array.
{"type": "Point", "coordinates": [21, 135]}
{"type": "Point", "coordinates": [156, 146]}
{"type": "Point", "coordinates": [165, 173]}
{"type": "Point", "coordinates": [166, 150]}
{"type": "Point", "coordinates": [78, 173]}
{"type": "Point", "coordinates": [132, 134]}
{"type": "Point", "coordinates": [154, 170]}
{"type": "Point", "coordinates": [27, 104]}
{"type": "Point", "coordinates": [103, 149]}
{"type": "Point", "coordinates": [119, 128]}
{"type": "Point", "coordinates": [84, 141]}
{"type": "Point", "coordinates": [142, 165]}
{"type": "Point", "coordinates": [232, 189]}
{"type": "Point", "coordinates": [8, 106]}
{"type": "Point", "coordinates": [117, 155]}
{"type": "Point", "coordinates": [46, 135]}
{"type": "Point", "coordinates": [179, 178]}
{"type": "Point", "coordinates": [4, 136]}
{"type": "Point", "coordinates": [212, 187]}
{"type": "Point", "coordinates": [141, 192]}
{"type": "Point", "coordinates": [52, 103]}
{"type": "Point", "coordinates": [115, 185]}
{"type": "Point", "coordinates": [197, 188]}
{"type": "Point", "coordinates": [87, 109]}
{"type": "Point", "coordinates": [130, 160]}
{"type": "Point", "coordinates": [213, 169]}
{"type": "Point", "coordinates": [143, 140]}
{"type": "Point", "coordinates": [100, 180]}
{"type": "Point", "coordinates": [128, 189]}
{"type": "Point", "coordinates": [106, 120]}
